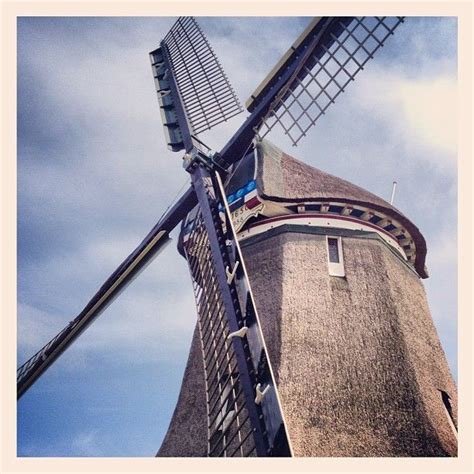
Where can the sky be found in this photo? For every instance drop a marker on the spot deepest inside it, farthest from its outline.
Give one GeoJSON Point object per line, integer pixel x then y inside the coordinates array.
{"type": "Point", "coordinates": [94, 176]}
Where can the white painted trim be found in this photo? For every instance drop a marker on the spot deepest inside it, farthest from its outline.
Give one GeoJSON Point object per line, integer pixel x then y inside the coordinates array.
{"type": "Point", "coordinates": [315, 220]}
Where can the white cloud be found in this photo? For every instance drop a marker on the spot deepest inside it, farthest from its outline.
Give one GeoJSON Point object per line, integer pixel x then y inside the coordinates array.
{"type": "Point", "coordinates": [422, 110]}
{"type": "Point", "coordinates": [430, 110]}
{"type": "Point", "coordinates": [441, 287]}
{"type": "Point", "coordinates": [35, 328]}
{"type": "Point", "coordinates": [443, 249]}
{"type": "Point", "coordinates": [154, 315]}
{"type": "Point", "coordinates": [81, 444]}
{"type": "Point", "coordinates": [87, 444]}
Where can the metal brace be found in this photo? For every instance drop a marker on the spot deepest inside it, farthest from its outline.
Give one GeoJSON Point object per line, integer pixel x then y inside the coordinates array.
{"type": "Point", "coordinates": [196, 158]}
{"type": "Point", "coordinates": [260, 394]}
{"type": "Point", "coordinates": [164, 92]}
{"type": "Point", "coordinates": [231, 275]}
{"type": "Point", "coordinates": [240, 333]}
{"type": "Point", "coordinates": [257, 139]}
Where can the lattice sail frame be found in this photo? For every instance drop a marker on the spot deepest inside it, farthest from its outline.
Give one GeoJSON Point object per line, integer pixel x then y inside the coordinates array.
{"type": "Point", "coordinates": [23, 372]}
{"type": "Point", "coordinates": [206, 93]}
{"type": "Point", "coordinates": [319, 80]}
{"type": "Point", "coordinates": [245, 416]}
{"type": "Point", "coordinates": [229, 424]}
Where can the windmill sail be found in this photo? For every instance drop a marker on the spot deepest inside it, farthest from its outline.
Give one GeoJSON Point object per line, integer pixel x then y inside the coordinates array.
{"type": "Point", "coordinates": [243, 409]}
{"type": "Point", "coordinates": [244, 415]}
{"type": "Point", "coordinates": [137, 261]}
{"type": "Point", "coordinates": [341, 48]}
{"type": "Point", "coordinates": [309, 77]}
{"type": "Point", "coordinates": [189, 76]}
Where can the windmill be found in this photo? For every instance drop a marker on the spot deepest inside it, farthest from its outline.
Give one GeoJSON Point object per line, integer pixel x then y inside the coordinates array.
{"type": "Point", "coordinates": [194, 95]}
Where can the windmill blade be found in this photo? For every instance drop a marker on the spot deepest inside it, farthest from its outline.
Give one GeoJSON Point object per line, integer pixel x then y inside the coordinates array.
{"type": "Point", "coordinates": [193, 91]}
{"type": "Point", "coordinates": [323, 73]}
{"type": "Point", "coordinates": [137, 261]}
{"type": "Point", "coordinates": [244, 413]}
{"type": "Point", "coordinates": [306, 81]}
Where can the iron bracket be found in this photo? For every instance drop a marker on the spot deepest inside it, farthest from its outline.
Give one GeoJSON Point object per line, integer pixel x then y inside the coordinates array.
{"type": "Point", "coordinates": [197, 157]}
{"type": "Point", "coordinates": [242, 332]}
{"type": "Point", "coordinates": [259, 393]}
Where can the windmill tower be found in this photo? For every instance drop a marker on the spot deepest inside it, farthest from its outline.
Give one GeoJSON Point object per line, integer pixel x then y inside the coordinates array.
{"type": "Point", "coordinates": [313, 335]}
{"type": "Point", "coordinates": [336, 274]}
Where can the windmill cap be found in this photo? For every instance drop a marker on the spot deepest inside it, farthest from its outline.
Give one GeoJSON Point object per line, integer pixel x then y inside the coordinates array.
{"type": "Point", "coordinates": [282, 178]}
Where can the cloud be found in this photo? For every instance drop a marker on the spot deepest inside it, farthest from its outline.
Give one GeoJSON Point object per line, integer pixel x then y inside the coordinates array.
{"type": "Point", "coordinates": [430, 110]}
{"type": "Point", "coordinates": [134, 326]}
{"type": "Point", "coordinates": [424, 111]}
{"type": "Point", "coordinates": [81, 444]}
{"type": "Point", "coordinates": [35, 328]}
{"type": "Point", "coordinates": [443, 249]}
{"type": "Point", "coordinates": [151, 320]}
{"type": "Point", "coordinates": [87, 444]}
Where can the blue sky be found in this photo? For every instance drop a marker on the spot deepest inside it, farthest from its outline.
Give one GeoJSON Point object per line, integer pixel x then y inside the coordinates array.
{"type": "Point", "coordinates": [94, 175]}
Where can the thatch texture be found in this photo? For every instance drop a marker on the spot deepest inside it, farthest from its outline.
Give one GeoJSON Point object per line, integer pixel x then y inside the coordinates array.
{"type": "Point", "coordinates": [187, 433]}
{"type": "Point", "coordinates": [282, 178]}
{"type": "Point", "coordinates": [358, 361]}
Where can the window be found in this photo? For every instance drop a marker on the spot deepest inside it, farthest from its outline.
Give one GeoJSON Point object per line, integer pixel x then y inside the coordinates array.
{"type": "Point", "coordinates": [335, 258]}
{"type": "Point", "coordinates": [449, 411]}
{"type": "Point", "coordinates": [333, 250]}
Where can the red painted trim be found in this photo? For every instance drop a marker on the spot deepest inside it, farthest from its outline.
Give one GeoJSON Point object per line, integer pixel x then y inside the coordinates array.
{"type": "Point", "coordinates": [323, 216]}
{"type": "Point", "coordinates": [252, 202]}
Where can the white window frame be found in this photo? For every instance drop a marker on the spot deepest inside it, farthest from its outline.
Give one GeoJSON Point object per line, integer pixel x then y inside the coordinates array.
{"type": "Point", "coordinates": [336, 269]}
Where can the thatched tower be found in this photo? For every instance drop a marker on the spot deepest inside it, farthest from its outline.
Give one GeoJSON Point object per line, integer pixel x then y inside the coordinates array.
{"type": "Point", "coordinates": [336, 275]}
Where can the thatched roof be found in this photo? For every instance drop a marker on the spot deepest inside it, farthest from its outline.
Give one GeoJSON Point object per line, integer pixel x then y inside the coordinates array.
{"type": "Point", "coordinates": [282, 178]}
